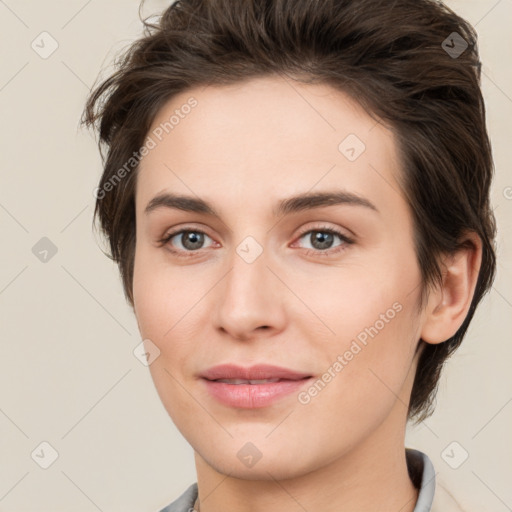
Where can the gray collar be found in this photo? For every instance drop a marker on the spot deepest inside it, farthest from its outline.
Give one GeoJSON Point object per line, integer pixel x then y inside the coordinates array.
{"type": "Point", "coordinates": [420, 462]}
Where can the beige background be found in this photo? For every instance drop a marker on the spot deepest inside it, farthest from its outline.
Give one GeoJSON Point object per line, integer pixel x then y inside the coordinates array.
{"type": "Point", "coordinates": [68, 376]}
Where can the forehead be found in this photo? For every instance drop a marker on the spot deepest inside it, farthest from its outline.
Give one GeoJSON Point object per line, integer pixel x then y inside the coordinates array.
{"type": "Point", "coordinates": [267, 134]}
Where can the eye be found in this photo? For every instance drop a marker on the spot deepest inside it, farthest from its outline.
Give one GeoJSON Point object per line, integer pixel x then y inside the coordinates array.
{"type": "Point", "coordinates": [191, 240]}
{"type": "Point", "coordinates": [322, 239]}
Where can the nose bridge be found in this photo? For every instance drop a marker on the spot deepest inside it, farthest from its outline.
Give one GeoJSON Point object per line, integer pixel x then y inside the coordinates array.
{"type": "Point", "coordinates": [248, 299]}
{"type": "Point", "coordinates": [247, 281]}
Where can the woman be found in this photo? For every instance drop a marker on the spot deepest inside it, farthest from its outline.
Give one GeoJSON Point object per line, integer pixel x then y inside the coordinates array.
{"type": "Point", "coordinates": [297, 195]}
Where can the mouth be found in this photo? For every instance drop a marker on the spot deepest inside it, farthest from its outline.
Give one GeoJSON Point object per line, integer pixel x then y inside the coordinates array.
{"type": "Point", "coordinates": [254, 387]}
{"type": "Point", "coordinates": [245, 381]}
{"type": "Point", "coordinates": [264, 372]}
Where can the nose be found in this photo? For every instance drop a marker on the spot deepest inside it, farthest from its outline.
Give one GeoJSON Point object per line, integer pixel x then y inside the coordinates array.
{"type": "Point", "coordinates": [249, 301]}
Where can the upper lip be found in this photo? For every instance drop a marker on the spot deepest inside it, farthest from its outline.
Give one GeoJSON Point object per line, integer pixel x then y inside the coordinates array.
{"type": "Point", "coordinates": [256, 372]}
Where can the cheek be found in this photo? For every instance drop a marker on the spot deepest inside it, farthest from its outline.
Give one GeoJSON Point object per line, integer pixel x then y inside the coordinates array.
{"type": "Point", "coordinates": [153, 296]}
{"type": "Point", "coordinates": [161, 305]}
{"type": "Point", "coordinates": [166, 306]}
{"type": "Point", "coordinates": [146, 303]}
{"type": "Point", "coordinates": [348, 300]}
{"type": "Point", "coordinates": [363, 381]}
{"type": "Point", "coordinates": [371, 316]}
{"type": "Point", "coordinates": [155, 292]}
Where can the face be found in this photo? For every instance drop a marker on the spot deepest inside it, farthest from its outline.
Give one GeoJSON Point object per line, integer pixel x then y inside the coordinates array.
{"type": "Point", "coordinates": [326, 288]}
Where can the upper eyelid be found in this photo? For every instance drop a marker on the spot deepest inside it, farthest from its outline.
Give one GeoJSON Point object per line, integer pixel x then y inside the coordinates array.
{"type": "Point", "coordinates": [336, 230]}
{"type": "Point", "coordinates": [302, 232]}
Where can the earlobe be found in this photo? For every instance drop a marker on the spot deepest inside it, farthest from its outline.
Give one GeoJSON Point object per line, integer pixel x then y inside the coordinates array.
{"type": "Point", "coordinates": [449, 304]}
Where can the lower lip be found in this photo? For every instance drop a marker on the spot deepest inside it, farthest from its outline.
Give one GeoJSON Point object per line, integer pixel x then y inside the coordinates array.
{"type": "Point", "coordinates": [251, 396]}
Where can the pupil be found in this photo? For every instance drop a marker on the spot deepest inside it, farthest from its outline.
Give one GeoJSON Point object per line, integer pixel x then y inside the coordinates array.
{"type": "Point", "coordinates": [192, 240]}
{"type": "Point", "coordinates": [324, 239]}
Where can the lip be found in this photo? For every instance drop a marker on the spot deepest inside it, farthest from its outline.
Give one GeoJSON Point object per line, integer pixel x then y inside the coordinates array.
{"type": "Point", "coordinates": [251, 396]}
{"type": "Point", "coordinates": [256, 372]}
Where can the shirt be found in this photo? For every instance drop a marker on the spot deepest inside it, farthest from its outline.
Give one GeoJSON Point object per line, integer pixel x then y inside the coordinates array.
{"type": "Point", "coordinates": [431, 497]}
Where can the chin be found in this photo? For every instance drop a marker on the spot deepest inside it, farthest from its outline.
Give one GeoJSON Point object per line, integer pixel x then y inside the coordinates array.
{"type": "Point", "coordinates": [275, 468]}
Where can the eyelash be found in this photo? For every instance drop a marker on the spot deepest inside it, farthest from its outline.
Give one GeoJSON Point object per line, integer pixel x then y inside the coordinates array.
{"type": "Point", "coordinates": [315, 252]}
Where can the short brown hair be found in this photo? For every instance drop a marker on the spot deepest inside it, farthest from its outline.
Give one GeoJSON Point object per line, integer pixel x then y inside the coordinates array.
{"type": "Point", "coordinates": [412, 64]}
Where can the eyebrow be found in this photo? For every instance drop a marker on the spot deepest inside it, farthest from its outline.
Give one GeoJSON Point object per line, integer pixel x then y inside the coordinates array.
{"type": "Point", "coordinates": [301, 202]}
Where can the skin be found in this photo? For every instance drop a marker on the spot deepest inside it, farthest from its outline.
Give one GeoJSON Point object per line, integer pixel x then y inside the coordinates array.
{"type": "Point", "coordinates": [243, 148]}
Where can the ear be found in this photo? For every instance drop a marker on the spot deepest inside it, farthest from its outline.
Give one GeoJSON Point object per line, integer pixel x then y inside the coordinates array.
{"type": "Point", "coordinates": [449, 303]}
